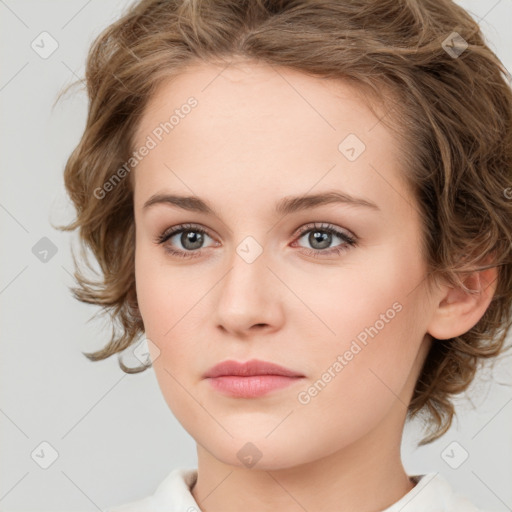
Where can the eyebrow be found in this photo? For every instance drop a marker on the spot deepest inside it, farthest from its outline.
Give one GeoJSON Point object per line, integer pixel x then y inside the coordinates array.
{"type": "Point", "coordinates": [284, 206]}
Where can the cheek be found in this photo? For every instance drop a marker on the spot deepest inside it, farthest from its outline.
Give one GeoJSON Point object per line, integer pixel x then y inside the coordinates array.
{"type": "Point", "coordinates": [363, 373]}
{"type": "Point", "coordinates": [166, 301]}
{"type": "Point", "coordinates": [172, 304]}
{"type": "Point", "coordinates": [369, 327]}
{"type": "Point", "coordinates": [163, 290]}
{"type": "Point", "coordinates": [344, 301]}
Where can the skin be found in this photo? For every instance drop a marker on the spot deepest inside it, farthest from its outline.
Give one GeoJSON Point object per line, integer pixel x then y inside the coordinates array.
{"type": "Point", "coordinates": [260, 134]}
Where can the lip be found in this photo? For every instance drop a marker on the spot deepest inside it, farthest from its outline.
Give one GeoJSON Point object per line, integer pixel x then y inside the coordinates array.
{"type": "Point", "coordinates": [249, 368]}
{"type": "Point", "coordinates": [251, 379]}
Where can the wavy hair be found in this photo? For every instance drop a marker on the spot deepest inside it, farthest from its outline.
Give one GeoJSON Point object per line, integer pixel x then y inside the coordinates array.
{"type": "Point", "coordinates": [446, 97]}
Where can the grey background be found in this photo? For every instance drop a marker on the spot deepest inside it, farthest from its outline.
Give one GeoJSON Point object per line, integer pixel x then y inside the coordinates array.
{"type": "Point", "coordinates": [114, 435]}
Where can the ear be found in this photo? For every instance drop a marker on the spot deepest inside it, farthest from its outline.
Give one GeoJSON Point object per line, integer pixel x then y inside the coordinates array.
{"type": "Point", "coordinates": [457, 311]}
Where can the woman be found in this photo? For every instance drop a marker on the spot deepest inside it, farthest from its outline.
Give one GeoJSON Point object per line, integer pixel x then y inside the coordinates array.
{"type": "Point", "coordinates": [301, 206]}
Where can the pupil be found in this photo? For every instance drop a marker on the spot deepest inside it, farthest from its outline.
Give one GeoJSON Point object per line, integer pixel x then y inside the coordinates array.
{"type": "Point", "coordinates": [323, 238]}
{"type": "Point", "coordinates": [194, 238]}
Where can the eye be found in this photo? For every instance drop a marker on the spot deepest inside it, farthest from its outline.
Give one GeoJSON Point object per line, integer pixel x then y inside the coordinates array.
{"type": "Point", "coordinates": [190, 236]}
{"type": "Point", "coordinates": [321, 236]}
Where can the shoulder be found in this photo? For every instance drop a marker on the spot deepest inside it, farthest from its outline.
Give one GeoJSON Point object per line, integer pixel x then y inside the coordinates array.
{"type": "Point", "coordinates": [173, 493]}
{"type": "Point", "coordinates": [453, 500]}
{"type": "Point", "coordinates": [433, 493]}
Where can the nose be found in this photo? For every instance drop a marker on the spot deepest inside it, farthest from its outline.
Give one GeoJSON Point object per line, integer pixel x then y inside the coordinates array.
{"type": "Point", "coordinates": [249, 298]}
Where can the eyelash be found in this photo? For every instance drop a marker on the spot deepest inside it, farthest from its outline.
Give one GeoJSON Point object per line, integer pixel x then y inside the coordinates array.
{"type": "Point", "coordinates": [348, 240]}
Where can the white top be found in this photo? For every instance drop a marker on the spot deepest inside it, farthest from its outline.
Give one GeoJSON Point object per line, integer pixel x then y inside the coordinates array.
{"type": "Point", "coordinates": [432, 493]}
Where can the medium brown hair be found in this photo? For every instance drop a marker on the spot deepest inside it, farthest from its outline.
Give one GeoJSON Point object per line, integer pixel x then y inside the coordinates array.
{"type": "Point", "coordinates": [449, 104]}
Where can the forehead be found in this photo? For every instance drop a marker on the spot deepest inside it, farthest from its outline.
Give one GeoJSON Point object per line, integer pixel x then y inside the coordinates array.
{"type": "Point", "coordinates": [243, 87]}
{"type": "Point", "coordinates": [265, 128]}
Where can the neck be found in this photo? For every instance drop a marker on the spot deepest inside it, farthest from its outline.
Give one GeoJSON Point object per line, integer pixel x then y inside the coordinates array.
{"type": "Point", "coordinates": [367, 476]}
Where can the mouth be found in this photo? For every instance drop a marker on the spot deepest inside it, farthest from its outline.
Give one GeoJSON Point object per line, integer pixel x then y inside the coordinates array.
{"type": "Point", "coordinates": [250, 379]}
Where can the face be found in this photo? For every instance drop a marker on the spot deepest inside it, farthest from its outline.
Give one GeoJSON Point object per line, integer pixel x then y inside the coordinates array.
{"type": "Point", "coordinates": [332, 289]}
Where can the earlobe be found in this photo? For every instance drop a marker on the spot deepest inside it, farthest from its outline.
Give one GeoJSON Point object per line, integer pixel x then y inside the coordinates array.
{"type": "Point", "coordinates": [459, 310]}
